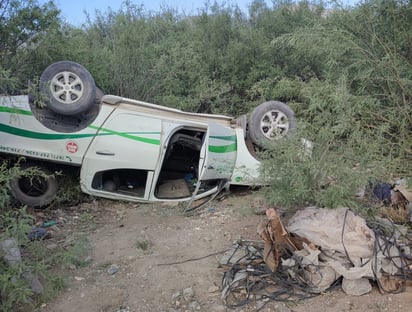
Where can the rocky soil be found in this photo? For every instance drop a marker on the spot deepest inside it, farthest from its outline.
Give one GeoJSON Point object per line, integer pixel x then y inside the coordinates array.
{"type": "Point", "coordinates": [150, 257]}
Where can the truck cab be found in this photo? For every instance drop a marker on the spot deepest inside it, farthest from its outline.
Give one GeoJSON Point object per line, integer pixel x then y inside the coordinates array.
{"type": "Point", "coordinates": [133, 150]}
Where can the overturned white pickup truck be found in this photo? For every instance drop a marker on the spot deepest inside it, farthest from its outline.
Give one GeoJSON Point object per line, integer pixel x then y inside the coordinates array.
{"type": "Point", "coordinates": [128, 149]}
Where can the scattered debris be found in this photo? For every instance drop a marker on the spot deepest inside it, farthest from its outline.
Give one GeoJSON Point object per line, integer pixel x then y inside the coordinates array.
{"type": "Point", "coordinates": [39, 233]}
{"type": "Point", "coordinates": [277, 239]}
{"type": "Point", "coordinates": [395, 195]}
{"type": "Point", "coordinates": [381, 191]}
{"type": "Point", "coordinates": [49, 223]}
{"type": "Point", "coordinates": [319, 249]}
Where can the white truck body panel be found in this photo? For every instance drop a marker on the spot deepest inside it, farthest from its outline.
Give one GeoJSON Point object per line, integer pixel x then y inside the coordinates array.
{"type": "Point", "coordinates": [132, 149]}
{"type": "Point", "coordinates": [218, 153]}
{"type": "Point", "coordinates": [246, 170]}
{"type": "Point", "coordinates": [23, 135]}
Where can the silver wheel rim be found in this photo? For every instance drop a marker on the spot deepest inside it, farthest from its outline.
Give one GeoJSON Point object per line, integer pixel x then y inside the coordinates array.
{"type": "Point", "coordinates": [66, 87]}
{"type": "Point", "coordinates": [274, 124]}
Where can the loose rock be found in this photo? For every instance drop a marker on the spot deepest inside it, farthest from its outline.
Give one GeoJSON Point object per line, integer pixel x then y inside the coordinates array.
{"type": "Point", "coordinates": [113, 269]}
{"type": "Point", "coordinates": [188, 293]}
{"type": "Point", "coordinates": [194, 305]}
{"type": "Point", "coordinates": [176, 296]}
{"type": "Point", "coordinates": [356, 287]}
{"type": "Point", "coordinates": [213, 289]}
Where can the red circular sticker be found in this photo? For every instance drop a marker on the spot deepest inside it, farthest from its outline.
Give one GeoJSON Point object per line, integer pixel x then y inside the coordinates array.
{"type": "Point", "coordinates": [72, 147]}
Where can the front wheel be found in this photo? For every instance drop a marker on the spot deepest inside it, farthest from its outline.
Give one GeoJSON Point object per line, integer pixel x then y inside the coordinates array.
{"type": "Point", "coordinates": [270, 121]}
{"type": "Point", "coordinates": [35, 187]}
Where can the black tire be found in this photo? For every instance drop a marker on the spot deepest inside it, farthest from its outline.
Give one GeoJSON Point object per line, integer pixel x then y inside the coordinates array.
{"type": "Point", "coordinates": [241, 121]}
{"type": "Point", "coordinates": [68, 88]}
{"type": "Point", "coordinates": [270, 121]}
{"type": "Point", "coordinates": [35, 191]}
{"type": "Point", "coordinates": [99, 95]}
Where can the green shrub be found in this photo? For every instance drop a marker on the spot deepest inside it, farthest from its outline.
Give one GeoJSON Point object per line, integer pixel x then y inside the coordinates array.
{"type": "Point", "coordinates": [16, 224]}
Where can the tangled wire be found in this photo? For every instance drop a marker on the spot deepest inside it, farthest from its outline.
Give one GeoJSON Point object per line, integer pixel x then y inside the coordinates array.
{"type": "Point", "coordinates": [248, 279]}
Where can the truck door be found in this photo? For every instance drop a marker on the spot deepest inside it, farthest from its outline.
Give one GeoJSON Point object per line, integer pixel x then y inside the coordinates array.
{"type": "Point", "coordinates": [217, 159]}
{"type": "Point", "coordinates": [121, 160]}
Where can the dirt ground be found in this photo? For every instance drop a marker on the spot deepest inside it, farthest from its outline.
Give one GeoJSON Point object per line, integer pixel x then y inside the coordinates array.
{"type": "Point", "coordinates": [150, 257]}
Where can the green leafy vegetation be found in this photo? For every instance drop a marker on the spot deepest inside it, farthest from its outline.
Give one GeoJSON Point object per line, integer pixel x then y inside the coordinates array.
{"type": "Point", "coordinates": [35, 259]}
{"type": "Point", "coordinates": [24, 24]}
{"type": "Point", "coordinates": [143, 244]}
{"type": "Point", "coordinates": [346, 72]}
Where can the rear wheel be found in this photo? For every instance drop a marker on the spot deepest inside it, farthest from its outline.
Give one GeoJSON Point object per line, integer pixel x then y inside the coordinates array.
{"type": "Point", "coordinates": [68, 88]}
{"type": "Point", "coordinates": [99, 95]}
{"type": "Point", "coordinates": [36, 188]}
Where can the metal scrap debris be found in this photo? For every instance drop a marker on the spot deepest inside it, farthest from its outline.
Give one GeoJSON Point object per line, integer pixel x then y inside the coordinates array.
{"type": "Point", "coordinates": [318, 250]}
{"type": "Point", "coordinates": [277, 239]}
